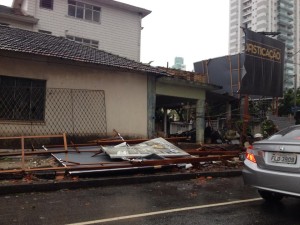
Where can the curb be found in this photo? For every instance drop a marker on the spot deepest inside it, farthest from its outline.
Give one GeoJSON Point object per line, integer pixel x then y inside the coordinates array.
{"type": "Point", "coordinates": [110, 181]}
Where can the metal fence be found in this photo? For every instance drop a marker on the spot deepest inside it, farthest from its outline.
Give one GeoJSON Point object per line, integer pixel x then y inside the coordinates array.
{"type": "Point", "coordinates": [81, 114]}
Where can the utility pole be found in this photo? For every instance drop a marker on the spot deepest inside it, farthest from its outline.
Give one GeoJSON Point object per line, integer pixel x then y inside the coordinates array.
{"type": "Point", "coordinates": [295, 94]}
{"type": "Point", "coordinates": [290, 55]}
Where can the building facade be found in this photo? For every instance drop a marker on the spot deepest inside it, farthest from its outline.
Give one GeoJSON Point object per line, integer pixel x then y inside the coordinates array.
{"type": "Point", "coordinates": [51, 85]}
{"type": "Point", "coordinates": [280, 16]}
{"type": "Point", "coordinates": [107, 25]}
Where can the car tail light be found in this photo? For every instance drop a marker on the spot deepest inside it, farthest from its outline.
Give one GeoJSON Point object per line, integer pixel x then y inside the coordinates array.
{"type": "Point", "coordinates": [250, 156]}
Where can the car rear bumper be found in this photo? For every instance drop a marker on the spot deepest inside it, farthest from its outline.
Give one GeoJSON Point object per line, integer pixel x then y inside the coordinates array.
{"type": "Point", "coordinates": [285, 183]}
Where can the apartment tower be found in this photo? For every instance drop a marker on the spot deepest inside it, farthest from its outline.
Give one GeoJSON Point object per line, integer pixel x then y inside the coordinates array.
{"type": "Point", "coordinates": [280, 16]}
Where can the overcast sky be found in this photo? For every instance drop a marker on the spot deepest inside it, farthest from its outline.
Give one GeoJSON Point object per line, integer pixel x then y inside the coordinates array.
{"type": "Point", "coordinates": [192, 29]}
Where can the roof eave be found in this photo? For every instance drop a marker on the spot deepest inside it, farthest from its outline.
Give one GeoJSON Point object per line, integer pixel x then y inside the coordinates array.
{"type": "Point", "coordinates": [158, 74]}
{"type": "Point", "coordinates": [24, 19]}
{"type": "Point", "coordinates": [141, 11]}
{"type": "Point", "coordinates": [183, 82]}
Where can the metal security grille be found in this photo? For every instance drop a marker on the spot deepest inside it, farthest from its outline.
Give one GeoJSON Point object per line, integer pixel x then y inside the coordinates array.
{"type": "Point", "coordinates": [22, 104]}
{"type": "Point", "coordinates": [79, 113]}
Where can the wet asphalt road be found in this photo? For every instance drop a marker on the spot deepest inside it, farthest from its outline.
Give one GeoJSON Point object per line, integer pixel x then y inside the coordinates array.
{"type": "Point", "coordinates": [211, 202]}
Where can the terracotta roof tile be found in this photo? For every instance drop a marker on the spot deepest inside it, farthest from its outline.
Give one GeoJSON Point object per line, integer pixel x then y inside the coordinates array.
{"type": "Point", "coordinates": [186, 75]}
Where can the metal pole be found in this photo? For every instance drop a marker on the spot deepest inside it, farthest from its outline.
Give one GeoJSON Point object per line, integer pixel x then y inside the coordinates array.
{"type": "Point", "coordinates": [165, 122]}
{"type": "Point", "coordinates": [295, 94]}
{"type": "Point", "coordinates": [243, 137]}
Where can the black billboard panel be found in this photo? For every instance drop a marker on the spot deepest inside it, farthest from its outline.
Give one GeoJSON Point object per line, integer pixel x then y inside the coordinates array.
{"type": "Point", "coordinates": [224, 71]}
{"type": "Point", "coordinates": [264, 64]}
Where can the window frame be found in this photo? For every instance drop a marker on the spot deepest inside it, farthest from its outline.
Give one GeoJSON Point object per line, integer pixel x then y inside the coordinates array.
{"type": "Point", "coordinates": [84, 11]}
{"type": "Point", "coordinates": [44, 3]}
{"type": "Point", "coordinates": [92, 43]}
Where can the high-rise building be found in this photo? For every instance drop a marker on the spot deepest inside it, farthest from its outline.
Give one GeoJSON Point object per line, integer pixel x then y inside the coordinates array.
{"type": "Point", "coordinates": [178, 63]}
{"type": "Point", "coordinates": [269, 16]}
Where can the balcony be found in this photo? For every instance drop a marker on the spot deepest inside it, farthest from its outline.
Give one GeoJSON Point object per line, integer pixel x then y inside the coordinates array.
{"type": "Point", "coordinates": [282, 8]}
{"type": "Point", "coordinates": [284, 22]}
{"type": "Point", "coordinates": [289, 66]}
{"type": "Point", "coordinates": [290, 73]}
{"type": "Point", "coordinates": [247, 12]}
{"type": "Point", "coordinates": [289, 45]}
{"type": "Point", "coordinates": [247, 7]}
{"type": "Point", "coordinates": [246, 19]}
{"type": "Point", "coordinates": [287, 3]}
{"type": "Point", "coordinates": [289, 60]}
{"type": "Point", "coordinates": [285, 30]}
{"type": "Point", "coordinates": [288, 40]}
{"type": "Point", "coordinates": [285, 16]}
{"type": "Point", "coordinates": [247, 4]}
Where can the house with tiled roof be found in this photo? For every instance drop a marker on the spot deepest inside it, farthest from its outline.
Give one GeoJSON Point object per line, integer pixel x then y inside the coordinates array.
{"type": "Point", "coordinates": [60, 69]}
{"type": "Point", "coordinates": [50, 85]}
{"type": "Point", "coordinates": [104, 24]}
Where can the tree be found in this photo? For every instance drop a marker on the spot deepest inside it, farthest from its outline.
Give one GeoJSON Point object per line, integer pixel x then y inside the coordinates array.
{"type": "Point", "coordinates": [259, 108]}
{"type": "Point", "coordinates": [288, 101]}
{"type": "Point", "coordinates": [268, 128]}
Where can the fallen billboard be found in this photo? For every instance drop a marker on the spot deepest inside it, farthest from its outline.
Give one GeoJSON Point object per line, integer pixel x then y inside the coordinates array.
{"type": "Point", "coordinates": [264, 64]}
{"type": "Point", "coordinates": [223, 71]}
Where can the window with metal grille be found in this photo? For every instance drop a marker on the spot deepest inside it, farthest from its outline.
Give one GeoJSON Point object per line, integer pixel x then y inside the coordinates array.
{"type": "Point", "coordinates": [22, 99]}
{"type": "Point", "coordinates": [84, 41]}
{"type": "Point", "coordinates": [47, 4]}
{"type": "Point", "coordinates": [84, 11]}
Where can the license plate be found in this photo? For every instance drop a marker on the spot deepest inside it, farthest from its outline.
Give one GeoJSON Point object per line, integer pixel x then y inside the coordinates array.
{"type": "Point", "coordinates": [284, 158]}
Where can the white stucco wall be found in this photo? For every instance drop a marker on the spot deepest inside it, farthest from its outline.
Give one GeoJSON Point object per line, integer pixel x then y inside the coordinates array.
{"type": "Point", "coordinates": [118, 31]}
{"type": "Point", "coordinates": [183, 91]}
{"type": "Point", "coordinates": [125, 92]}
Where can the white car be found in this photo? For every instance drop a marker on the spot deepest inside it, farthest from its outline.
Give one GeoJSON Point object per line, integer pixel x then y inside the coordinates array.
{"type": "Point", "coordinates": [272, 165]}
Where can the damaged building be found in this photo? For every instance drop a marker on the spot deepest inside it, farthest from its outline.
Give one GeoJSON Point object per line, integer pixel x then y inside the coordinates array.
{"type": "Point", "coordinates": [52, 85]}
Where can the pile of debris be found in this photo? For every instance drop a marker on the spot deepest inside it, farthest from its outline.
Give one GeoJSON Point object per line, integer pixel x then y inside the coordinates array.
{"type": "Point", "coordinates": [113, 155]}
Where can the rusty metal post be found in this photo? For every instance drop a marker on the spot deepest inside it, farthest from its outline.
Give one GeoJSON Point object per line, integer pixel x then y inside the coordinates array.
{"type": "Point", "coordinates": [65, 142]}
{"type": "Point", "coordinates": [245, 117]}
{"type": "Point", "coordinates": [165, 122]}
{"type": "Point", "coordinates": [200, 121]}
{"type": "Point", "coordinates": [23, 153]}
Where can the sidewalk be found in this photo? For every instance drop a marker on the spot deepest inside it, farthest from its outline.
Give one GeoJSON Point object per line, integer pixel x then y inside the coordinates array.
{"type": "Point", "coordinates": [41, 185]}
